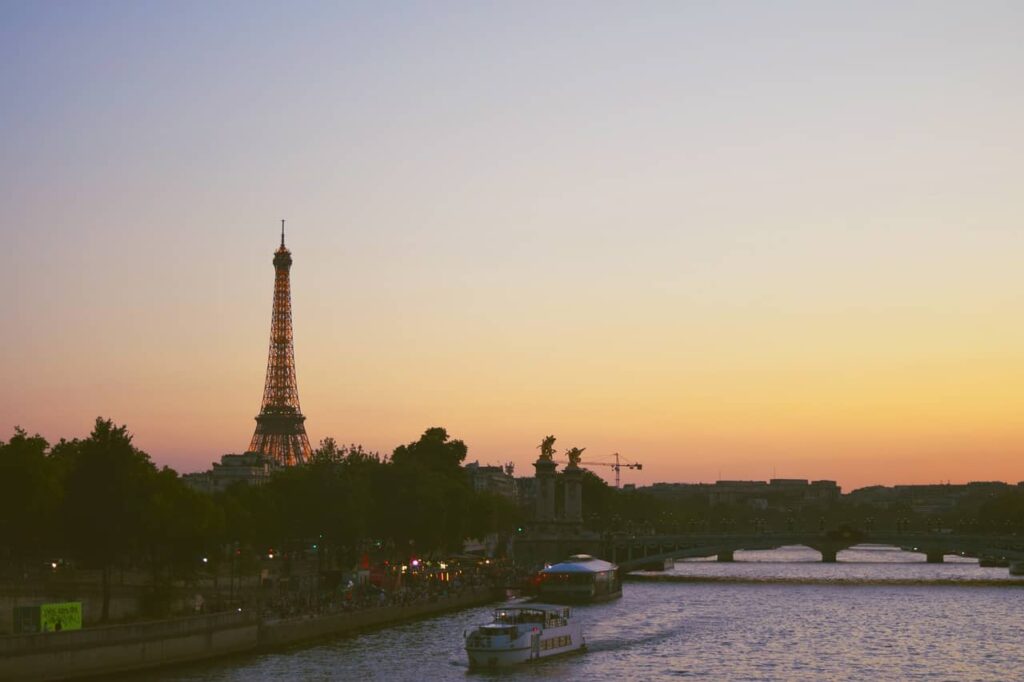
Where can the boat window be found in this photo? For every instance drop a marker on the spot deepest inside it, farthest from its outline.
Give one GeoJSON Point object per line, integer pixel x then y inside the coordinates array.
{"type": "Point", "coordinates": [516, 617]}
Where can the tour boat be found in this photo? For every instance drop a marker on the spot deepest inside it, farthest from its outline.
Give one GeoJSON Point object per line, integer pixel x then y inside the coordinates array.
{"type": "Point", "coordinates": [580, 579]}
{"type": "Point", "coordinates": [522, 633]}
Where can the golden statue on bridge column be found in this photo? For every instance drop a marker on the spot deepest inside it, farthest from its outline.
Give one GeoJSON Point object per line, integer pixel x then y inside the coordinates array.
{"type": "Point", "coordinates": [547, 448]}
{"type": "Point", "coordinates": [574, 455]}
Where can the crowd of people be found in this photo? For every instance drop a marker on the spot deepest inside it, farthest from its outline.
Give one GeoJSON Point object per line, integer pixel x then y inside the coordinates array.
{"type": "Point", "coordinates": [284, 603]}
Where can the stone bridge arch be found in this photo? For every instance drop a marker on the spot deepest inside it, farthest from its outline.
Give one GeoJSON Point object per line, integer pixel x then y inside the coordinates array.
{"type": "Point", "coordinates": [635, 552]}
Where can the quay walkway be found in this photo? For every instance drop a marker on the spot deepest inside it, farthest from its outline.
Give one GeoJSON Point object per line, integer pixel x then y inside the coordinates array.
{"type": "Point", "coordinates": [138, 646]}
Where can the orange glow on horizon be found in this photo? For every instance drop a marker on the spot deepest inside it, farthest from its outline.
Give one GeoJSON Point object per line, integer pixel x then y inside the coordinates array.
{"type": "Point", "coordinates": [771, 240]}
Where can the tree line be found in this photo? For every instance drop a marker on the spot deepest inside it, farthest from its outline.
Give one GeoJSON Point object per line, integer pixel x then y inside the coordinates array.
{"type": "Point", "coordinates": [102, 503]}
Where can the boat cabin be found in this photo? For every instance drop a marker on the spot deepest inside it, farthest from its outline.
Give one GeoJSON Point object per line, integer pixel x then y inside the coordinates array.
{"type": "Point", "coordinates": [537, 614]}
{"type": "Point", "coordinates": [580, 578]}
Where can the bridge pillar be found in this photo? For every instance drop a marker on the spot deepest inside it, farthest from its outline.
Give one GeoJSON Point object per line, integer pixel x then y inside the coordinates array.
{"type": "Point", "coordinates": [725, 556]}
{"type": "Point", "coordinates": [573, 509]}
{"type": "Point", "coordinates": [828, 556]}
{"type": "Point", "coordinates": [545, 511]}
{"type": "Point", "coordinates": [657, 565]}
{"type": "Point", "coordinates": [936, 557]}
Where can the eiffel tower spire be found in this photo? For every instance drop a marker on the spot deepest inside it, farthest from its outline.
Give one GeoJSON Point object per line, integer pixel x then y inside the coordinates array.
{"type": "Point", "coordinates": [280, 433]}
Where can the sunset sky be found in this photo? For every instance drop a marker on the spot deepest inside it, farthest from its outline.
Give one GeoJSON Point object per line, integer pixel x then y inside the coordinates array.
{"type": "Point", "coordinates": [727, 240]}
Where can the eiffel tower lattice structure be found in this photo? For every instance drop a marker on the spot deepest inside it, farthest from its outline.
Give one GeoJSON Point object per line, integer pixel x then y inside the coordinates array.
{"type": "Point", "coordinates": [280, 433]}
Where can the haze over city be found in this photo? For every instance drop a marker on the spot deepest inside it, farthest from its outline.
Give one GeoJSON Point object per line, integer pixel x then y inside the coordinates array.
{"type": "Point", "coordinates": [727, 241]}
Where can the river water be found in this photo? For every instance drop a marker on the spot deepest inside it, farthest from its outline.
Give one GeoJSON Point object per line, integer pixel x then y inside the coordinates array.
{"type": "Point", "coordinates": [877, 614]}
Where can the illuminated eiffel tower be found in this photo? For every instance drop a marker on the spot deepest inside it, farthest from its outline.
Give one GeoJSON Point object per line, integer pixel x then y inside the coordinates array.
{"type": "Point", "coordinates": [280, 433]}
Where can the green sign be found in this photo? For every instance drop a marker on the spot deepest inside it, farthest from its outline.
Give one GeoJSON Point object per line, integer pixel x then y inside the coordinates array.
{"type": "Point", "coordinates": [57, 617]}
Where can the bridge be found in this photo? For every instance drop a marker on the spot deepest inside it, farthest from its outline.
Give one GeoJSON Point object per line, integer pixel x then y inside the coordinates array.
{"type": "Point", "coordinates": [636, 552]}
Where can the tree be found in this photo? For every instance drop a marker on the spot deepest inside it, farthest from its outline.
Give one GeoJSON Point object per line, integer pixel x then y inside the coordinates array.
{"type": "Point", "coordinates": [431, 496]}
{"type": "Point", "coordinates": [180, 526]}
{"type": "Point", "coordinates": [29, 494]}
{"type": "Point", "coordinates": [328, 452]}
{"type": "Point", "coordinates": [107, 491]}
{"type": "Point", "coordinates": [432, 451]}
{"type": "Point", "coordinates": [491, 513]}
{"type": "Point", "coordinates": [598, 501]}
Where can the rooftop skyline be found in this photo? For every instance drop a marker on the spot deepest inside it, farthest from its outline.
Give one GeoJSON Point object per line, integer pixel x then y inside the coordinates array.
{"type": "Point", "coordinates": [724, 241]}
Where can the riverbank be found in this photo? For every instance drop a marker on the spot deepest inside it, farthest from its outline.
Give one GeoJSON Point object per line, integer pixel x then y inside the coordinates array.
{"type": "Point", "coordinates": [139, 646]}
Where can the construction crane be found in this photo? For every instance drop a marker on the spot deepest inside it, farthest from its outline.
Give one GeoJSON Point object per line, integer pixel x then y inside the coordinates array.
{"type": "Point", "coordinates": [616, 465]}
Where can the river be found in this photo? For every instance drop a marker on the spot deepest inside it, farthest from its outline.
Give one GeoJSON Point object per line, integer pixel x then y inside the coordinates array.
{"type": "Point", "coordinates": [877, 614]}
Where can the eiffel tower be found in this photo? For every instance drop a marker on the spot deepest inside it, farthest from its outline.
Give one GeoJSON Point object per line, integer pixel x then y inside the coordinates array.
{"type": "Point", "coordinates": [280, 433]}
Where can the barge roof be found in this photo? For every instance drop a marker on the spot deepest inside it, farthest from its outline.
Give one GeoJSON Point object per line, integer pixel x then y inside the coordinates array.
{"type": "Point", "coordinates": [581, 563]}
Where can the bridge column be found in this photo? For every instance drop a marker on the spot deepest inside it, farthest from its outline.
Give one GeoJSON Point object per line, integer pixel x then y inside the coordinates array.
{"type": "Point", "coordinates": [657, 565]}
{"type": "Point", "coordinates": [828, 556]}
{"type": "Point", "coordinates": [725, 556]}
{"type": "Point", "coordinates": [573, 509]}
{"type": "Point", "coordinates": [936, 557]}
{"type": "Point", "coordinates": [544, 513]}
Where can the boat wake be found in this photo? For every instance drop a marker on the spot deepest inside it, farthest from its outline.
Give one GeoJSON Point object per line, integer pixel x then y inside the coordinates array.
{"type": "Point", "coordinates": [618, 644]}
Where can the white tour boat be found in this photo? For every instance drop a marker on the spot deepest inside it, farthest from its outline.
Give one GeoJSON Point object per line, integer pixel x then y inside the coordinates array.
{"type": "Point", "coordinates": [522, 633]}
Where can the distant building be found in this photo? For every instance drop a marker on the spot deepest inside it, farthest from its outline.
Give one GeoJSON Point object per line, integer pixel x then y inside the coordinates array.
{"type": "Point", "coordinates": [739, 492]}
{"type": "Point", "coordinates": [823, 491]}
{"type": "Point", "coordinates": [778, 493]}
{"type": "Point", "coordinates": [249, 468]}
{"type": "Point", "coordinates": [928, 499]}
{"type": "Point", "coordinates": [492, 479]}
{"type": "Point", "coordinates": [526, 492]}
{"type": "Point", "coordinates": [942, 498]}
{"type": "Point", "coordinates": [676, 491]}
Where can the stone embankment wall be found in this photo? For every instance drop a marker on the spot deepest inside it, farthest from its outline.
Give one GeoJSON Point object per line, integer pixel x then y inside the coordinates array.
{"type": "Point", "coordinates": [116, 648]}
{"type": "Point", "coordinates": [124, 601]}
{"type": "Point", "coordinates": [127, 594]}
{"type": "Point", "coordinates": [119, 648]}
